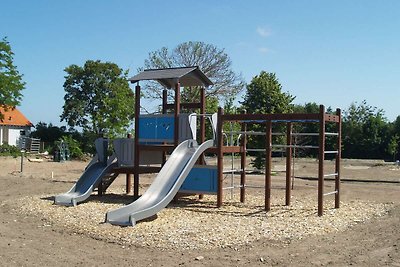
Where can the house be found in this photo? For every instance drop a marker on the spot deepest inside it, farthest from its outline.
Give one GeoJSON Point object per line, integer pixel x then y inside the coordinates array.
{"type": "Point", "coordinates": [13, 124]}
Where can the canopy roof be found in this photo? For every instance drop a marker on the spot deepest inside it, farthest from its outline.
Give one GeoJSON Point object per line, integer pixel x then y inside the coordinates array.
{"type": "Point", "coordinates": [187, 76]}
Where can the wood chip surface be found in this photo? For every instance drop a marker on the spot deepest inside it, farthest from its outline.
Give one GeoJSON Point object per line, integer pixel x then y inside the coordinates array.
{"type": "Point", "coordinates": [191, 223]}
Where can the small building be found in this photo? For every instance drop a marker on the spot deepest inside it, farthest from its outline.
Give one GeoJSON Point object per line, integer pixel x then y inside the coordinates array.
{"type": "Point", "coordinates": [13, 125]}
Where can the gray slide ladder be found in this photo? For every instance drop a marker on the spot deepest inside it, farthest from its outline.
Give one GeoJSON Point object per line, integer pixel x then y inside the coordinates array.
{"type": "Point", "coordinates": [165, 186]}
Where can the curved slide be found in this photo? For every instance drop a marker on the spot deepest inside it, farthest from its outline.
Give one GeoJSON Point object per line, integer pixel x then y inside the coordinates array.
{"type": "Point", "coordinates": [83, 188]}
{"type": "Point", "coordinates": [165, 186]}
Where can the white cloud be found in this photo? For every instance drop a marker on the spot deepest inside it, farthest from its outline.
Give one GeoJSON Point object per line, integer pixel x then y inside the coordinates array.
{"type": "Point", "coordinates": [264, 50]}
{"type": "Point", "coordinates": [263, 31]}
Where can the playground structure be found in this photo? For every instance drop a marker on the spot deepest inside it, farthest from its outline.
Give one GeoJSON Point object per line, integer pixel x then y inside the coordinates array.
{"type": "Point", "coordinates": [176, 134]}
{"type": "Point", "coordinates": [61, 152]}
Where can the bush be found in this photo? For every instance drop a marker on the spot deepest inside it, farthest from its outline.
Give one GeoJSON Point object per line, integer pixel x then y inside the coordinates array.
{"type": "Point", "coordinates": [8, 150]}
{"type": "Point", "coordinates": [74, 147]}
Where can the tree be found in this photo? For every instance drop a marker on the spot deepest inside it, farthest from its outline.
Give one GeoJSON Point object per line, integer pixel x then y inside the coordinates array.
{"type": "Point", "coordinates": [11, 83]}
{"type": "Point", "coordinates": [365, 132]}
{"type": "Point", "coordinates": [330, 141]}
{"type": "Point", "coordinates": [98, 98]}
{"type": "Point", "coordinates": [264, 95]}
{"type": "Point", "coordinates": [214, 62]}
{"type": "Point", "coordinates": [393, 146]}
{"type": "Point", "coordinates": [396, 125]}
{"type": "Point", "coordinates": [48, 133]}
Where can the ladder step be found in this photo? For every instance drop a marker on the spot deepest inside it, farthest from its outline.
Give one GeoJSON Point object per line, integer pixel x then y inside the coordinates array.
{"type": "Point", "coordinates": [108, 180]}
{"type": "Point", "coordinates": [255, 149]}
{"type": "Point", "coordinates": [305, 134]}
{"type": "Point", "coordinates": [294, 146]}
{"type": "Point", "coordinates": [229, 187]}
{"type": "Point", "coordinates": [331, 152]}
{"type": "Point", "coordinates": [232, 171]}
{"type": "Point", "coordinates": [331, 174]}
{"type": "Point", "coordinates": [331, 134]}
{"type": "Point", "coordinates": [254, 186]}
{"type": "Point", "coordinates": [331, 193]}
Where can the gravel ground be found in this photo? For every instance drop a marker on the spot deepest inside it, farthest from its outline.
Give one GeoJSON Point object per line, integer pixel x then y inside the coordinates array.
{"type": "Point", "coordinates": [363, 232]}
{"type": "Point", "coordinates": [197, 224]}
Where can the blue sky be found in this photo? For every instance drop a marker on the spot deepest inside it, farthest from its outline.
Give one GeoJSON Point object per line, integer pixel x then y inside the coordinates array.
{"type": "Point", "coordinates": [329, 52]}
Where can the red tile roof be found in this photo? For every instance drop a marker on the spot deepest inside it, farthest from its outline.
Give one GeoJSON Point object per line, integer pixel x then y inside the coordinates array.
{"type": "Point", "coordinates": [12, 116]}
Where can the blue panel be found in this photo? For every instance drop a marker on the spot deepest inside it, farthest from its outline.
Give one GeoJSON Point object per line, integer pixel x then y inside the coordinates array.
{"type": "Point", "coordinates": [147, 127]}
{"type": "Point", "coordinates": [156, 128]}
{"type": "Point", "coordinates": [165, 128]}
{"type": "Point", "coordinates": [201, 180]}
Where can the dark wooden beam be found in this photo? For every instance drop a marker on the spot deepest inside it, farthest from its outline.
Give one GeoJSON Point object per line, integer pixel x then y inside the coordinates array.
{"type": "Point", "coordinates": [288, 163]}
{"type": "Point", "coordinates": [321, 158]}
{"type": "Point", "coordinates": [338, 159]}
{"type": "Point", "coordinates": [136, 143]}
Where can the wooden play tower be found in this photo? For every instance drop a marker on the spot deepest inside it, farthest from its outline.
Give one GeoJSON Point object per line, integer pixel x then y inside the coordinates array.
{"type": "Point", "coordinates": [174, 79]}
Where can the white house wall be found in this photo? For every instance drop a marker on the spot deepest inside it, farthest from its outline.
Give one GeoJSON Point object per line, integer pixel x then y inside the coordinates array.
{"type": "Point", "coordinates": [13, 136]}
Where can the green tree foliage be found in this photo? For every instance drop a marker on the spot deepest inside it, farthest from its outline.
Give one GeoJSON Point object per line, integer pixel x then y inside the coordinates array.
{"type": "Point", "coordinates": [396, 125]}
{"type": "Point", "coordinates": [330, 141]}
{"type": "Point", "coordinates": [310, 107]}
{"type": "Point", "coordinates": [393, 146]}
{"type": "Point", "coordinates": [73, 146]}
{"type": "Point", "coordinates": [51, 135]}
{"type": "Point", "coordinates": [98, 98]}
{"type": "Point", "coordinates": [214, 62]}
{"type": "Point", "coordinates": [365, 132]}
{"type": "Point", "coordinates": [11, 83]}
{"type": "Point", "coordinates": [48, 133]}
{"type": "Point", "coordinates": [264, 95]}
{"type": "Point", "coordinates": [231, 127]}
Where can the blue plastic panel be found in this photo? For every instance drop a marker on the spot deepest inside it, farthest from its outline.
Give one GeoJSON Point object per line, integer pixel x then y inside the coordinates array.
{"type": "Point", "coordinates": [201, 180]}
{"type": "Point", "coordinates": [153, 129]}
{"type": "Point", "coordinates": [147, 127]}
{"type": "Point", "coordinates": [165, 128]}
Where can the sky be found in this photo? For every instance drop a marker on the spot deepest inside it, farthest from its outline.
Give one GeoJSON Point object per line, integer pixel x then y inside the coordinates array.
{"type": "Point", "coordinates": [329, 52]}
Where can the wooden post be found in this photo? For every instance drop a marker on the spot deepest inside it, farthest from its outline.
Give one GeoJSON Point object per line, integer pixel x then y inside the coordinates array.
{"type": "Point", "coordinates": [164, 101]}
{"type": "Point", "coordinates": [128, 175]}
{"type": "Point", "coordinates": [321, 158]}
{"type": "Point", "coordinates": [176, 112]}
{"type": "Point", "coordinates": [202, 117]}
{"type": "Point", "coordinates": [338, 159]}
{"type": "Point", "coordinates": [268, 163]}
{"type": "Point", "coordinates": [202, 125]}
{"type": "Point", "coordinates": [243, 163]}
{"type": "Point", "coordinates": [137, 154]}
{"type": "Point", "coordinates": [220, 157]}
{"type": "Point", "coordinates": [164, 111]}
{"type": "Point", "coordinates": [22, 161]}
{"type": "Point", "coordinates": [288, 163]}
{"type": "Point", "coordinates": [104, 160]}
{"type": "Point", "coordinates": [202, 122]}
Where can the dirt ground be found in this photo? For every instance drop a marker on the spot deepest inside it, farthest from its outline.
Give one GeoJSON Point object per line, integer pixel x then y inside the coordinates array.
{"type": "Point", "coordinates": [30, 241]}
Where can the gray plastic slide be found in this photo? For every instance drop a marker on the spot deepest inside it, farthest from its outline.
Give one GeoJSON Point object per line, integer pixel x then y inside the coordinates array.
{"type": "Point", "coordinates": [83, 188]}
{"type": "Point", "coordinates": [165, 186]}
{"type": "Point", "coordinates": [98, 168]}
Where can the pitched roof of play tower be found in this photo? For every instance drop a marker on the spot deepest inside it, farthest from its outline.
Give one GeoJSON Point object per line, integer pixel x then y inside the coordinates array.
{"type": "Point", "coordinates": [187, 76]}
